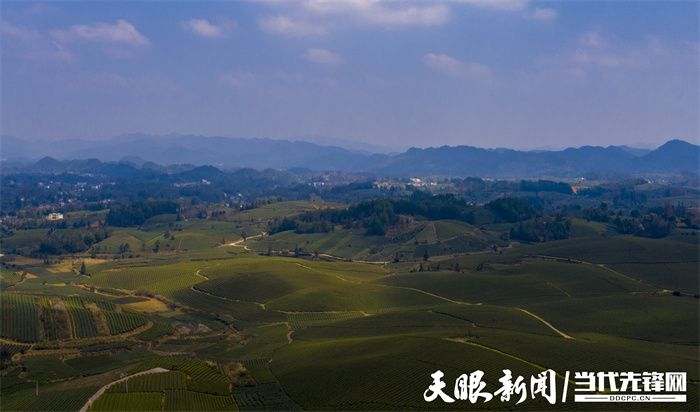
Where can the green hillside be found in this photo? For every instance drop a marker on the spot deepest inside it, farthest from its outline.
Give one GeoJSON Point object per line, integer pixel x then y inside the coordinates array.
{"type": "Point", "coordinates": [340, 319]}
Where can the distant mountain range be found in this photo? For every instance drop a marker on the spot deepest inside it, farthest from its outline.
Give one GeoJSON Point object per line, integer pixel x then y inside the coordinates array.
{"type": "Point", "coordinates": [223, 152]}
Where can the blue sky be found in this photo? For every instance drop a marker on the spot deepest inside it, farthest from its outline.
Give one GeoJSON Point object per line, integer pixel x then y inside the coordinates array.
{"type": "Point", "coordinates": [486, 73]}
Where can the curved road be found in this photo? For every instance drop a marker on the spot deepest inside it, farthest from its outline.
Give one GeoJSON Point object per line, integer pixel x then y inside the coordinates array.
{"type": "Point", "coordinates": [548, 324]}
{"type": "Point", "coordinates": [237, 243]}
{"type": "Point", "coordinates": [94, 397]}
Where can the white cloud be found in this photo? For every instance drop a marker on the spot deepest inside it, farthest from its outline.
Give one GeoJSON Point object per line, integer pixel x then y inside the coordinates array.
{"type": "Point", "coordinates": [318, 17]}
{"type": "Point", "coordinates": [613, 59]}
{"type": "Point", "coordinates": [506, 5]}
{"type": "Point", "coordinates": [121, 33]}
{"type": "Point", "coordinates": [420, 16]}
{"type": "Point", "coordinates": [477, 69]}
{"type": "Point", "coordinates": [238, 79]}
{"type": "Point", "coordinates": [337, 7]}
{"type": "Point", "coordinates": [57, 53]}
{"type": "Point", "coordinates": [596, 50]}
{"type": "Point", "coordinates": [592, 39]}
{"type": "Point", "coordinates": [202, 28]}
{"type": "Point", "coordinates": [285, 26]}
{"type": "Point", "coordinates": [32, 45]}
{"type": "Point", "coordinates": [595, 55]}
{"type": "Point", "coordinates": [601, 59]}
{"type": "Point", "coordinates": [19, 32]}
{"type": "Point", "coordinates": [374, 12]}
{"type": "Point", "coordinates": [545, 14]}
{"type": "Point", "coordinates": [322, 56]}
{"type": "Point", "coordinates": [444, 63]}
{"type": "Point", "coordinates": [453, 67]}
{"type": "Point", "coordinates": [231, 80]}
{"type": "Point", "coordinates": [54, 52]}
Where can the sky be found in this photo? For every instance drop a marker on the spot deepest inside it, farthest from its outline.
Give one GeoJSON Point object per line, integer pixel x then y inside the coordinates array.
{"type": "Point", "coordinates": [487, 73]}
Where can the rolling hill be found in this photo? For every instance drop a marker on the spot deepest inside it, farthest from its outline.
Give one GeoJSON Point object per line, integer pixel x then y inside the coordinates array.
{"type": "Point", "coordinates": [223, 152]}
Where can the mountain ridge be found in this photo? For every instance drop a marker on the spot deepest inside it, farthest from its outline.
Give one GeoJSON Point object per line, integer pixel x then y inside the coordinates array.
{"type": "Point", "coordinates": [261, 153]}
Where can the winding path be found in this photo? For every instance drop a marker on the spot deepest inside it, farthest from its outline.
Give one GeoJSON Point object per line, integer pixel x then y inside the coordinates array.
{"type": "Point", "coordinates": [237, 243]}
{"type": "Point", "coordinates": [547, 323]}
{"type": "Point", "coordinates": [97, 394]}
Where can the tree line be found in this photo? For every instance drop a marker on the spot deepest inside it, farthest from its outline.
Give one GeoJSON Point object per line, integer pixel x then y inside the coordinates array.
{"type": "Point", "coordinates": [136, 213]}
{"type": "Point", "coordinates": [380, 215]}
{"type": "Point", "coordinates": [71, 241]}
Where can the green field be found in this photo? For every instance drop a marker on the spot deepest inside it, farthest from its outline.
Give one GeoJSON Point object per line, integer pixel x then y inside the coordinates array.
{"type": "Point", "coordinates": [258, 287]}
{"type": "Point", "coordinates": [437, 238]}
{"type": "Point", "coordinates": [163, 280]}
{"type": "Point", "coordinates": [241, 330]}
{"type": "Point", "coordinates": [64, 400]}
{"type": "Point", "coordinates": [664, 263]}
{"type": "Point", "coordinates": [396, 371]}
{"type": "Point", "coordinates": [137, 401]}
{"type": "Point", "coordinates": [38, 318]}
{"type": "Point", "coordinates": [279, 209]}
{"type": "Point", "coordinates": [22, 238]}
{"type": "Point", "coordinates": [511, 283]}
{"type": "Point", "coordinates": [20, 318]}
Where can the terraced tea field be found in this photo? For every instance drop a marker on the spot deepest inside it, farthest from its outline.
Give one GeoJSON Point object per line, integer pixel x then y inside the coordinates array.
{"type": "Point", "coordinates": [35, 318]}
{"type": "Point", "coordinates": [239, 330]}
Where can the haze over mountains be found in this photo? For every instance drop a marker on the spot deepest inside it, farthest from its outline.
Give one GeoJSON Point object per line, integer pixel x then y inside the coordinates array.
{"type": "Point", "coordinates": [223, 152]}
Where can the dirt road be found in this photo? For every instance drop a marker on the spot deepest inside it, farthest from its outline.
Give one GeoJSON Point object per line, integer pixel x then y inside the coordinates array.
{"type": "Point", "coordinates": [97, 394]}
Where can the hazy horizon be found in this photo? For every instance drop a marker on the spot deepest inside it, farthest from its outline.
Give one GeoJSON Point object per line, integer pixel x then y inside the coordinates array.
{"type": "Point", "coordinates": [353, 146]}
{"type": "Point", "coordinates": [526, 75]}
